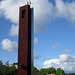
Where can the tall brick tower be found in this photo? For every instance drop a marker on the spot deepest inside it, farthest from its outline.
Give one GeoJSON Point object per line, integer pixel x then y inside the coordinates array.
{"type": "Point", "coordinates": [25, 45]}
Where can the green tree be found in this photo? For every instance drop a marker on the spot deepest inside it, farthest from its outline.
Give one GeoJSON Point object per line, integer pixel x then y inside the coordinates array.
{"type": "Point", "coordinates": [60, 72]}
{"type": "Point", "coordinates": [5, 69]}
{"type": "Point", "coordinates": [35, 71]}
{"type": "Point", "coordinates": [12, 70]}
{"type": "Point", "coordinates": [43, 71]}
{"type": "Point", "coordinates": [51, 70]}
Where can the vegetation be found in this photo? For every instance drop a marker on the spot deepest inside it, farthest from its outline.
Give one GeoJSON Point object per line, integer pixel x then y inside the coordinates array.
{"type": "Point", "coordinates": [71, 74]}
{"type": "Point", "coordinates": [51, 70]}
{"type": "Point", "coordinates": [5, 69]}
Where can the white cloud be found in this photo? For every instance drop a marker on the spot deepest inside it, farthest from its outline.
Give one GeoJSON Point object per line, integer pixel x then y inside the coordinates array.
{"type": "Point", "coordinates": [35, 40]}
{"type": "Point", "coordinates": [64, 57]}
{"type": "Point", "coordinates": [38, 67]}
{"type": "Point", "coordinates": [13, 30]}
{"type": "Point", "coordinates": [53, 47]}
{"type": "Point", "coordinates": [66, 51]}
{"type": "Point", "coordinates": [52, 63]}
{"type": "Point", "coordinates": [65, 10]}
{"type": "Point", "coordinates": [65, 61]}
{"type": "Point", "coordinates": [10, 9]}
{"type": "Point", "coordinates": [44, 11]}
{"type": "Point", "coordinates": [36, 56]}
{"type": "Point", "coordinates": [9, 45]}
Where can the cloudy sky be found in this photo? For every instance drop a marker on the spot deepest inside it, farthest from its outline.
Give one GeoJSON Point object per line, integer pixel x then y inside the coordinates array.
{"type": "Point", "coordinates": [54, 32]}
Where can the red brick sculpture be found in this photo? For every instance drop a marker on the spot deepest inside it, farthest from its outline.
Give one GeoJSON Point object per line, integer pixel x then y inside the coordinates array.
{"type": "Point", "coordinates": [25, 53]}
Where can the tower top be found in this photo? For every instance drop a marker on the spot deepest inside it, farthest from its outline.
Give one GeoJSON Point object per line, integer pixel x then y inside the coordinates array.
{"type": "Point", "coordinates": [28, 2]}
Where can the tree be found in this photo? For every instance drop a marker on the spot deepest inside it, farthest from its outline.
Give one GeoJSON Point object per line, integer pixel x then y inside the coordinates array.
{"type": "Point", "coordinates": [35, 71]}
{"type": "Point", "coordinates": [12, 70]}
{"type": "Point", "coordinates": [43, 71]}
{"type": "Point", "coordinates": [51, 70]}
{"type": "Point", "coordinates": [60, 72]}
{"type": "Point", "coordinates": [5, 69]}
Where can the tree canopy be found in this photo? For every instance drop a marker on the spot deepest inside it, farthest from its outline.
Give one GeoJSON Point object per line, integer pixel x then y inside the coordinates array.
{"type": "Point", "coordinates": [5, 69]}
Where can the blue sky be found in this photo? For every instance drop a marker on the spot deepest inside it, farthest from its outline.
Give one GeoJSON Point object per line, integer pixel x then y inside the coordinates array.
{"type": "Point", "coordinates": [54, 33]}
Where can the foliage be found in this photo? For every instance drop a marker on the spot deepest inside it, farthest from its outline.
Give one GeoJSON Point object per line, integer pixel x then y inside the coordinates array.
{"type": "Point", "coordinates": [71, 74]}
{"type": "Point", "coordinates": [5, 69]}
{"type": "Point", "coordinates": [45, 71]}
{"type": "Point", "coordinates": [51, 70]}
{"type": "Point", "coordinates": [60, 72]}
{"type": "Point", "coordinates": [12, 70]}
{"type": "Point", "coordinates": [35, 71]}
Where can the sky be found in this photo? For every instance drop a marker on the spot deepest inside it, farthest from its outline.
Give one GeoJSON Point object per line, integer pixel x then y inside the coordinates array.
{"type": "Point", "coordinates": [54, 32]}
